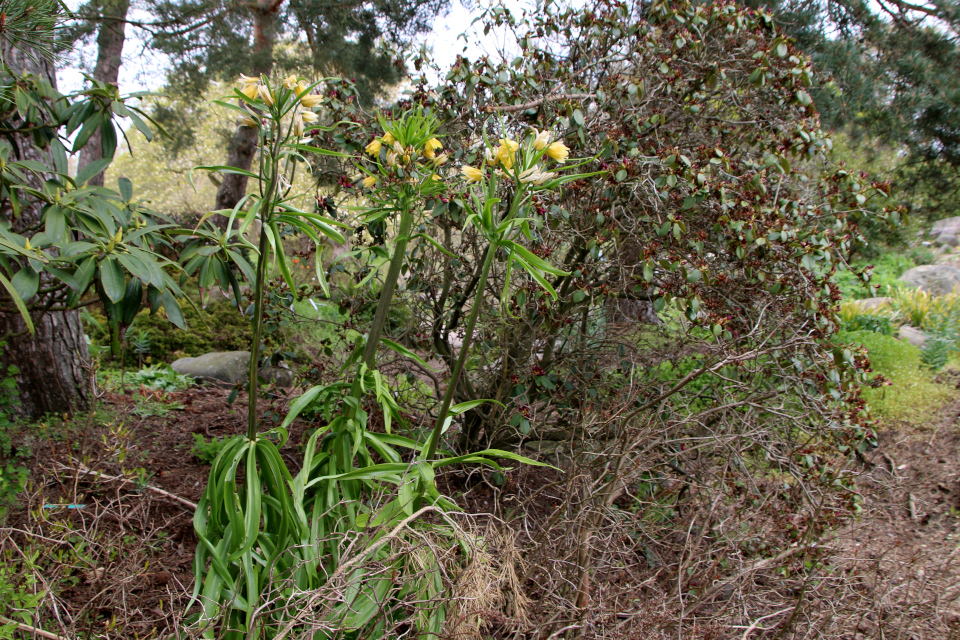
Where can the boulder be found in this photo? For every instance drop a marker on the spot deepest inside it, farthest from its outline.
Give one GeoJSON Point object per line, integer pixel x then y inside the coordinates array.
{"type": "Point", "coordinates": [868, 304]}
{"type": "Point", "coordinates": [912, 335]}
{"type": "Point", "coordinates": [278, 376]}
{"type": "Point", "coordinates": [947, 226]}
{"type": "Point", "coordinates": [935, 279]}
{"type": "Point", "coordinates": [947, 240]}
{"type": "Point", "coordinates": [227, 368]}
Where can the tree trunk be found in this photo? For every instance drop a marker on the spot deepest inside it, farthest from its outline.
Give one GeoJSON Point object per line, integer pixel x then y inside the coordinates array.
{"type": "Point", "coordinates": [109, 58]}
{"type": "Point", "coordinates": [50, 376]}
{"type": "Point", "coordinates": [243, 145]}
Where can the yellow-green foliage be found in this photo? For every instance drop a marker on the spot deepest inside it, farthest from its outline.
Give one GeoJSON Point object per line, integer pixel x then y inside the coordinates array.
{"type": "Point", "coordinates": [850, 309]}
{"type": "Point", "coordinates": [917, 307]}
{"type": "Point", "coordinates": [914, 396]}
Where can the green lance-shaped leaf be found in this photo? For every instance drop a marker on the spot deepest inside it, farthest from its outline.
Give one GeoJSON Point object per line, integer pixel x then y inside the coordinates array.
{"type": "Point", "coordinates": [112, 279]}
{"type": "Point", "coordinates": [18, 301]}
{"type": "Point", "coordinates": [132, 301]}
{"type": "Point", "coordinates": [172, 307]}
{"type": "Point", "coordinates": [405, 352]}
{"type": "Point", "coordinates": [26, 282]}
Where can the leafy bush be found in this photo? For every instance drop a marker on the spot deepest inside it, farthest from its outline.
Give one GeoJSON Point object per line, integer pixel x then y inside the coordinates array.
{"type": "Point", "coordinates": [924, 311]}
{"type": "Point", "coordinates": [13, 480]}
{"type": "Point", "coordinates": [885, 276]}
{"type": "Point", "coordinates": [8, 404]}
{"type": "Point", "coordinates": [879, 319]}
{"type": "Point", "coordinates": [872, 323]}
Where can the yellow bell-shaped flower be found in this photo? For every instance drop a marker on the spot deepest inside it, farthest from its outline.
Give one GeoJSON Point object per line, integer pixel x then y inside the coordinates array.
{"type": "Point", "coordinates": [472, 174]}
{"type": "Point", "coordinates": [558, 151]}
{"type": "Point", "coordinates": [374, 147]}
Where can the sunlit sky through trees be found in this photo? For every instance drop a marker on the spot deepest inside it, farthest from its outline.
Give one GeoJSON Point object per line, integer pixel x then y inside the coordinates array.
{"type": "Point", "coordinates": [144, 69]}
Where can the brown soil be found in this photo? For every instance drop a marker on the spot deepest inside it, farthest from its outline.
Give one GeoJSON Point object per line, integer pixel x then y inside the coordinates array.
{"type": "Point", "coordinates": [124, 559]}
{"type": "Point", "coordinates": [122, 565]}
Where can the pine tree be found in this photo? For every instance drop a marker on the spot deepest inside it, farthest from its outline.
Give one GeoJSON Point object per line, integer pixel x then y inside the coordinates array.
{"type": "Point", "coordinates": [890, 70]}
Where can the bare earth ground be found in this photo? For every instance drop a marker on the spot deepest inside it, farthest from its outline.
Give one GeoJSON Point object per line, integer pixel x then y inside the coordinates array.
{"type": "Point", "coordinates": [121, 565]}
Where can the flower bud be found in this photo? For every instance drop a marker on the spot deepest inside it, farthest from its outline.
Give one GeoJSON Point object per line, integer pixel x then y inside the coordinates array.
{"type": "Point", "coordinates": [265, 95]}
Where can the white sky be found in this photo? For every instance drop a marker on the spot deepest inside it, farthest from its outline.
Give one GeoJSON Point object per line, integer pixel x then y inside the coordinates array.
{"type": "Point", "coordinates": [143, 70]}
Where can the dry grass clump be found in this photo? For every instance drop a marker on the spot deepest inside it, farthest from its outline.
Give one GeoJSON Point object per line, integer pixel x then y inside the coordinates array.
{"type": "Point", "coordinates": [489, 593]}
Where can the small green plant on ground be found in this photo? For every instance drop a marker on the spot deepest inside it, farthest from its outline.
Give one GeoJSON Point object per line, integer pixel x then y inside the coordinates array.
{"type": "Point", "coordinates": [149, 407]}
{"type": "Point", "coordinates": [141, 345]}
{"type": "Point", "coordinates": [156, 378]}
{"type": "Point", "coordinates": [885, 274]}
{"type": "Point", "coordinates": [943, 334]}
{"type": "Point", "coordinates": [19, 599]}
{"type": "Point", "coordinates": [162, 378]}
{"type": "Point", "coordinates": [206, 451]}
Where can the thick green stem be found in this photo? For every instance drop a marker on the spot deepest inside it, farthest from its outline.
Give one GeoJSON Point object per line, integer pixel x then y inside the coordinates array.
{"type": "Point", "coordinates": [383, 308]}
{"type": "Point", "coordinates": [389, 284]}
{"type": "Point", "coordinates": [266, 216]}
{"type": "Point", "coordinates": [462, 357]}
{"type": "Point", "coordinates": [253, 384]}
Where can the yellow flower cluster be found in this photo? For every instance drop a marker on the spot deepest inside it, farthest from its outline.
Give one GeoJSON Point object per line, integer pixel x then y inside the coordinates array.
{"type": "Point", "coordinates": [505, 156]}
{"type": "Point", "coordinates": [396, 151]}
{"type": "Point", "coordinates": [253, 87]}
{"type": "Point", "coordinates": [397, 154]}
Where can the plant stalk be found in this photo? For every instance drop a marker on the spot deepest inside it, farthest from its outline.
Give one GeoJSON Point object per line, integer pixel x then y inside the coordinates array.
{"type": "Point", "coordinates": [389, 284]}
{"type": "Point", "coordinates": [253, 381]}
{"type": "Point", "coordinates": [462, 356]}
{"type": "Point", "coordinates": [386, 296]}
{"type": "Point", "coordinates": [266, 215]}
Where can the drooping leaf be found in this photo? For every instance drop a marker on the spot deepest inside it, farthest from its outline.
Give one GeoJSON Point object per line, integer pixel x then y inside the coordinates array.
{"type": "Point", "coordinates": [112, 279]}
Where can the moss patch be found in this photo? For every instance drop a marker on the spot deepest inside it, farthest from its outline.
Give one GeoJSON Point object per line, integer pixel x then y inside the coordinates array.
{"type": "Point", "coordinates": [914, 397]}
{"type": "Point", "coordinates": [219, 327]}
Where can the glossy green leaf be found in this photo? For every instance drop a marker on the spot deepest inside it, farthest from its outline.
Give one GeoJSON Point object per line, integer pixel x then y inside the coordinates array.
{"type": "Point", "coordinates": [112, 279]}
{"type": "Point", "coordinates": [172, 307]}
{"type": "Point", "coordinates": [18, 301]}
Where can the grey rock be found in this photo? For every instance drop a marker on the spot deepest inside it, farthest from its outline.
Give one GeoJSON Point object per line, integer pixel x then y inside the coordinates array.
{"type": "Point", "coordinates": [912, 335]}
{"type": "Point", "coordinates": [227, 368]}
{"type": "Point", "coordinates": [935, 279]}
{"type": "Point", "coordinates": [947, 226]}
{"type": "Point", "coordinates": [278, 376]}
{"type": "Point", "coordinates": [948, 240]}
